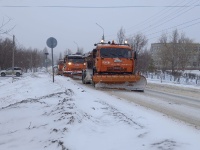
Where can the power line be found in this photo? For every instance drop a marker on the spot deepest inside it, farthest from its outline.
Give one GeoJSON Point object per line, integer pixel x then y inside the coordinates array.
{"type": "Point", "coordinates": [155, 15]}
{"type": "Point", "coordinates": [179, 29]}
{"type": "Point", "coordinates": [177, 26]}
{"type": "Point", "coordinates": [108, 7]}
{"type": "Point", "coordinates": [161, 23]}
{"type": "Point", "coordinates": [169, 19]}
{"type": "Point", "coordinates": [158, 14]}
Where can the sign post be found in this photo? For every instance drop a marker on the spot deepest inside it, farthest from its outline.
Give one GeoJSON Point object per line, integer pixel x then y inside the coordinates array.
{"type": "Point", "coordinates": [52, 43]}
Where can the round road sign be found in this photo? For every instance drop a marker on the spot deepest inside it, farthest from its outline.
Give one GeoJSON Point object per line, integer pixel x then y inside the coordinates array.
{"type": "Point", "coordinates": [51, 42]}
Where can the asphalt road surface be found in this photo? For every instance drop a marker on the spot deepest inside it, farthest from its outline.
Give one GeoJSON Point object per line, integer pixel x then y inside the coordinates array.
{"type": "Point", "coordinates": [179, 103]}
{"type": "Point", "coordinates": [176, 102]}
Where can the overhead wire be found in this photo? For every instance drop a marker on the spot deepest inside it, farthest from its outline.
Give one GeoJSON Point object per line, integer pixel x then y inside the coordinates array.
{"type": "Point", "coordinates": [181, 7]}
{"type": "Point", "coordinates": [156, 15]}
{"type": "Point", "coordinates": [180, 29]}
{"type": "Point", "coordinates": [68, 6]}
{"type": "Point", "coordinates": [179, 14]}
{"type": "Point", "coordinates": [169, 18]}
{"type": "Point", "coordinates": [172, 28]}
{"type": "Point", "coordinates": [176, 26]}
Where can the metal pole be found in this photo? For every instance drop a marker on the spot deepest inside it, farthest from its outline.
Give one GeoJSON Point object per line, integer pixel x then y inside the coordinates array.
{"type": "Point", "coordinates": [13, 58]}
{"type": "Point", "coordinates": [52, 63]}
{"type": "Point", "coordinates": [77, 46]}
{"type": "Point", "coordinates": [102, 29]}
{"type": "Point", "coordinates": [46, 61]}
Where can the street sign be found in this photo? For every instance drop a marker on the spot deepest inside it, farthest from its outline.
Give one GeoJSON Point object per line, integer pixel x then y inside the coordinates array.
{"type": "Point", "coordinates": [51, 42]}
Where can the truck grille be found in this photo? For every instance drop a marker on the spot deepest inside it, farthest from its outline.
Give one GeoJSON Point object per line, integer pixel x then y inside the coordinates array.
{"type": "Point", "coordinates": [76, 69]}
{"type": "Point", "coordinates": [116, 68]}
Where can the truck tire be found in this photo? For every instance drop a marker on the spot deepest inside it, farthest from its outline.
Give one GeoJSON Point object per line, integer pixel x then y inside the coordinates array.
{"type": "Point", "coordinates": [93, 84]}
{"type": "Point", "coordinates": [83, 77]}
{"type": "Point", "coordinates": [94, 71]}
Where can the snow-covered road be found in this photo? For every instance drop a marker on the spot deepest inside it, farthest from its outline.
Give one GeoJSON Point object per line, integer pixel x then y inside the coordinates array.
{"type": "Point", "coordinates": [181, 107]}
{"type": "Point", "coordinates": [66, 115]}
{"type": "Point", "coordinates": [178, 102]}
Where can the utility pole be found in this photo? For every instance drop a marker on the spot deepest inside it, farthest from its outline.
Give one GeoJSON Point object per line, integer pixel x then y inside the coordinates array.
{"type": "Point", "coordinates": [102, 29]}
{"type": "Point", "coordinates": [77, 46]}
{"type": "Point", "coordinates": [52, 63]}
{"type": "Point", "coordinates": [13, 58]}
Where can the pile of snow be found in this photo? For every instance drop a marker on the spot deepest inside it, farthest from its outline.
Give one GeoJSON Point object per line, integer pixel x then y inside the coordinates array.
{"type": "Point", "coordinates": [37, 114]}
{"type": "Point", "coordinates": [196, 72]}
{"type": "Point", "coordinates": [184, 80]}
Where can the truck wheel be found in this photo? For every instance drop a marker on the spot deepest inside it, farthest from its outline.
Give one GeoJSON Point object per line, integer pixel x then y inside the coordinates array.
{"type": "Point", "coordinates": [83, 77]}
{"type": "Point", "coordinates": [3, 74]}
{"type": "Point", "coordinates": [93, 84]}
{"type": "Point", "coordinates": [94, 71]}
{"type": "Point", "coordinates": [17, 74]}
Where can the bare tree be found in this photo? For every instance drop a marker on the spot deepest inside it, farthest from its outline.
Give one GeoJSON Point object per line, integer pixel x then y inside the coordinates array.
{"type": "Point", "coordinates": [138, 42]}
{"type": "Point", "coordinates": [145, 61]}
{"type": "Point", "coordinates": [6, 47]}
{"type": "Point", "coordinates": [60, 56]}
{"type": "Point", "coordinates": [167, 53]}
{"type": "Point", "coordinates": [3, 26]}
{"type": "Point", "coordinates": [80, 51]}
{"type": "Point", "coordinates": [67, 52]}
{"type": "Point", "coordinates": [24, 58]}
{"type": "Point", "coordinates": [175, 51]}
{"type": "Point", "coordinates": [44, 57]}
{"type": "Point", "coordinates": [186, 50]}
{"type": "Point", "coordinates": [121, 35]}
{"type": "Point", "coordinates": [198, 58]}
{"type": "Point", "coordinates": [19, 57]}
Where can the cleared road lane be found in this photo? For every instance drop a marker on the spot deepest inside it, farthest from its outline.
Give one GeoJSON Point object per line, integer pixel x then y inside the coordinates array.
{"type": "Point", "coordinates": [180, 103]}
{"type": "Point", "coordinates": [175, 102]}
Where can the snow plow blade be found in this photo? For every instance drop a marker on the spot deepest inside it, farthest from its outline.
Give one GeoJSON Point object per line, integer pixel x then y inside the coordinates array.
{"type": "Point", "coordinates": [128, 82]}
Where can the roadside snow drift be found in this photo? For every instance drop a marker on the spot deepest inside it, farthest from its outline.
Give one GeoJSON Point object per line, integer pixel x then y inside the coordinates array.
{"type": "Point", "coordinates": [37, 114]}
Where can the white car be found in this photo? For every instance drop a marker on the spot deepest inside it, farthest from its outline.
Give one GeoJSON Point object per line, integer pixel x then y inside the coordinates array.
{"type": "Point", "coordinates": [9, 71]}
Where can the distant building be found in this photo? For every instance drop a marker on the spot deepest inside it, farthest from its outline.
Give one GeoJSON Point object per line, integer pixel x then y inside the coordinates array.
{"type": "Point", "coordinates": [194, 61]}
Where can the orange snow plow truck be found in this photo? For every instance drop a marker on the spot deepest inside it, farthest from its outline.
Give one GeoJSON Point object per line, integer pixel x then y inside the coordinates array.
{"type": "Point", "coordinates": [73, 66]}
{"type": "Point", "coordinates": [112, 65]}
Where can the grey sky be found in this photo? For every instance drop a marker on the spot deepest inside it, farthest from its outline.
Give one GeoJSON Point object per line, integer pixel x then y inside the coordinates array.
{"type": "Point", "coordinates": [35, 22]}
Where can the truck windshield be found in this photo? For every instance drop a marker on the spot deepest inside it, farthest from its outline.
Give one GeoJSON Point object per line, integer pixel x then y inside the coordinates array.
{"type": "Point", "coordinates": [115, 53]}
{"type": "Point", "coordinates": [76, 60]}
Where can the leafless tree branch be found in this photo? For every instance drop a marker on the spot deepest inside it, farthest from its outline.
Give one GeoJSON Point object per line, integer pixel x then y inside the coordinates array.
{"type": "Point", "coordinates": [4, 24]}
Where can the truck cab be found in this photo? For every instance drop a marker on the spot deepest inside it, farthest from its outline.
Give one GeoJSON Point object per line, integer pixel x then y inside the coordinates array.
{"type": "Point", "coordinates": [113, 59]}
{"type": "Point", "coordinates": [73, 65]}
{"type": "Point", "coordinates": [113, 66]}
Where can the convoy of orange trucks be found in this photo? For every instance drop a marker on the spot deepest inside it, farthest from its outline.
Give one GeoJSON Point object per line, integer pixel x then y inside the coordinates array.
{"type": "Point", "coordinates": [108, 65]}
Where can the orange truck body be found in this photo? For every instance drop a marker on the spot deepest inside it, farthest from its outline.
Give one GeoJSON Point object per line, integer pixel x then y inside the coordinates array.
{"type": "Point", "coordinates": [114, 64]}
{"type": "Point", "coordinates": [73, 65]}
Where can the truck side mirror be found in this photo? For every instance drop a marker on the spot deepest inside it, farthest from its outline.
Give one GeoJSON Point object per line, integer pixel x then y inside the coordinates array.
{"type": "Point", "coordinates": [94, 53]}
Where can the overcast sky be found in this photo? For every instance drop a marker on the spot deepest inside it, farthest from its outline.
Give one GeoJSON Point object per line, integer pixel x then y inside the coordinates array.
{"type": "Point", "coordinates": [73, 23]}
